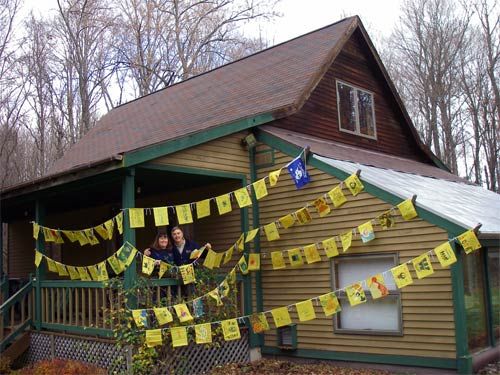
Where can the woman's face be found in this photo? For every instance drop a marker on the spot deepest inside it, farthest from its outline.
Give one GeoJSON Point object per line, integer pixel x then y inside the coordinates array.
{"type": "Point", "coordinates": [178, 236]}
{"type": "Point", "coordinates": [163, 242]}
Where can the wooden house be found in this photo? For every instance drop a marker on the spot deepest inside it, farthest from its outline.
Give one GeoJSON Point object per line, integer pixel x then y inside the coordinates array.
{"type": "Point", "coordinates": [229, 127]}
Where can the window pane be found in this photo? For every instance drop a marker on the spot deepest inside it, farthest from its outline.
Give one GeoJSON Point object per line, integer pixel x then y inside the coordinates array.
{"type": "Point", "coordinates": [350, 270]}
{"type": "Point", "coordinates": [475, 309]}
{"type": "Point", "coordinates": [365, 110]}
{"type": "Point", "coordinates": [379, 315]}
{"type": "Point", "coordinates": [346, 107]}
{"type": "Point", "coordinates": [494, 272]}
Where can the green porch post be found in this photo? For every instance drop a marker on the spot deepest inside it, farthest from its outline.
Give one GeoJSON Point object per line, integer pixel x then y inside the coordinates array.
{"type": "Point", "coordinates": [41, 270]}
{"type": "Point", "coordinates": [128, 201]}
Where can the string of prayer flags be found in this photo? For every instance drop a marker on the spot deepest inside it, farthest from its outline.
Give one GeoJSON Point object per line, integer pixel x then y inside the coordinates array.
{"type": "Point", "coordinates": [163, 315]}
{"type": "Point", "coordinates": [346, 240]}
{"type": "Point", "coordinates": [38, 258]}
{"type": "Point", "coordinates": [337, 196]}
{"type": "Point", "coordinates": [182, 312]}
{"type": "Point", "coordinates": [242, 263]}
{"type": "Point", "coordinates": [91, 237]}
{"type": "Point", "coordinates": [83, 273]}
{"type": "Point", "coordinates": [330, 303]}
{"type": "Point", "coordinates": [73, 273]}
{"type": "Point", "coordinates": [376, 284]}
{"type": "Point", "coordinates": [401, 275]}
{"type": "Point", "coordinates": [198, 310]}
{"type": "Point", "coordinates": [423, 266]}
{"type": "Point", "coordinates": [116, 265]}
{"type": "Point", "coordinates": [93, 273]}
{"type": "Point", "coordinates": [161, 216]}
{"type": "Point", "coordinates": [148, 265]}
{"type": "Point", "coordinates": [102, 271]}
{"type": "Point", "coordinates": [203, 208]}
{"type": "Point", "coordinates": [445, 254]}
{"type": "Point", "coordinates": [254, 262]}
{"type": "Point", "coordinates": [203, 333]}
{"type": "Point", "coordinates": [271, 231]}
{"type": "Point", "coordinates": [305, 310]}
{"type": "Point", "coordinates": [303, 216]}
{"type": "Point", "coordinates": [330, 247]}
{"type": "Point", "coordinates": [260, 189]}
{"type": "Point", "coordinates": [184, 215]}
{"type": "Point", "coordinates": [311, 253]}
{"type": "Point", "coordinates": [82, 238]}
{"type": "Point", "coordinates": [230, 329]}
{"type": "Point", "coordinates": [153, 337]}
{"type": "Point", "coordinates": [110, 226]}
{"type": "Point", "coordinates": [47, 235]}
{"type": "Point", "coordinates": [354, 184]}
{"type": "Point", "coordinates": [386, 220]}
{"type": "Point", "coordinates": [407, 209]}
{"type": "Point", "coordinates": [179, 336]}
{"type": "Point", "coordinates": [242, 197]}
{"type": "Point", "coordinates": [277, 260]}
{"type": "Point", "coordinates": [251, 235]}
{"type": "Point", "coordinates": [136, 217]}
{"type": "Point", "coordinates": [61, 269]}
{"type": "Point", "coordinates": [287, 221]}
{"type": "Point", "coordinates": [281, 317]}
{"type": "Point", "coordinates": [187, 273]}
{"type": "Point", "coordinates": [224, 204]}
{"type": "Point", "coordinates": [295, 257]}
{"type": "Point", "coordinates": [71, 236]}
{"type": "Point", "coordinates": [469, 242]}
{"type": "Point", "coordinates": [366, 232]}
{"type": "Point", "coordinates": [101, 231]}
{"type": "Point", "coordinates": [119, 222]}
{"type": "Point", "coordinates": [140, 317]}
{"type": "Point", "coordinates": [274, 176]}
{"type": "Point", "coordinates": [258, 322]}
{"type": "Point", "coordinates": [51, 265]}
{"type": "Point", "coordinates": [355, 294]}
{"type": "Point", "coordinates": [298, 172]}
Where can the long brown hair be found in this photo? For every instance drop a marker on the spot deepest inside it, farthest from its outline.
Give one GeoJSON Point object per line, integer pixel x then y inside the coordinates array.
{"type": "Point", "coordinates": [156, 244]}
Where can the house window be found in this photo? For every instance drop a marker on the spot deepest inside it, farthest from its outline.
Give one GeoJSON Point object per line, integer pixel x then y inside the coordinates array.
{"type": "Point", "coordinates": [356, 110]}
{"type": "Point", "coordinates": [376, 316]}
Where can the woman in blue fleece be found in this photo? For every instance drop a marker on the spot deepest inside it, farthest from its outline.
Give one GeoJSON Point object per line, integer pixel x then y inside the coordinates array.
{"type": "Point", "coordinates": [160, 249]}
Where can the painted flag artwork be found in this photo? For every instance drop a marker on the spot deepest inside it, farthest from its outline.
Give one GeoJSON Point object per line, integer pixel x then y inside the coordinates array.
{"type": "Point", "coordinates": [110, 226]}
{"type": "Point", "coordinates": [93, 273]}
{"type": "Point", "coordinates": [101, 231]}
{"type": "Point", "coordinates": [303, 216]}
{"type": "Point", "coordinates": [253, 262]}
{"type": "Point", "coordinates": [179, 336]}
{"type": "Point", "coordinates": [228, 254]}
{"type": "Point", "coordinates": [36, 230]}
{"type": "Point", "coordinates": [203, 208]}
{"type": "Point", "coordinates": [274, 176]}
{"type": "Point", "coordinates": [115, 264]}
{"type": "Point", "coordinates": [102, 271]}
{"type": "Point", "coordinates": [355, 294]}
{"type": "Point", "coordinates": [224, 204]}
{"type": "Point", "coordinates": [281, 317]}
{"type": "Point", "coordinates": [73, 238]}
{"type": "Point", "coordinates": [210, 259]}
{"type": "Point", "coordinates": [386, 220]}
{"type": "Point", "coordinates": [260, 188]}
{"type": "Point", "coordinates": [163, 315]}
{"type": "Point", "coordinates": [51, 265]}
{"type": "Point", "coordinates": [354, 184]}
{"type": "Point", "coordinates": [251, 235]}
{"type": "Point", "coordinates": [84, 275]}
{"type": "Point", "coordinates": [38, 258]}
{"type": "Point", "coordinates": [47, 235]}
{"type": "Point", "coordinates": [287, 221]}
{"type": "Point", "coordinates": [407, 209]}
{"type": "Point", "coordinates": [119, 222]}
{"type": "Point", "coordinates": [298, 172]}
{"type": "Point", "coordinates": [295, 257]}
{"type": "Point", "coordinates": [230, 329]}
{"type": "Point", "coordinates": [376, 284]}
{"type": "Point", "coordinates": [187, 273]}
{"type": "Point", "coordinates": [271, 231]}
{"type": "Point", "coordinates": [445, 254]}
{"type": "Point", "coordinates": [401, 275]}
{"type": "Point", "coordinates": [311, 253]}
{"type": "Point", "coordinates": [277, 260]}
{"type": "Point", "coordinates": [203, 333]}
{"type": "Point", "coordinates": [422, 265]}
{"type": "Point", "coordinates": [153, 337]}
{"type": "Point", "coordinates": [346, 240]}
{"type": "Point", "coordinates": [136, 217]}
{"type": "Point", "coordinates": [161, 216]}
{"type": "Point", "coordinates": [196, 253]}
{"type": "Point", "coordinates": [337, 196]}
{"type": "Point", "coordinates": [140, 317]}
{"type": "Point", "coordinates": [223, 288]}
{"type": "Point", "coordinates": [63, 271]}
{"type": "Point", "coordinates": [330, 247]}
{"type": "Point", "coordinates": [258, 322]}
{"type": "Point", "coordinates": [322, 206]}
{"type": "Point", "coordinates": [89, 233]}
{"type": "Point", "coordinates": [305, 310]}
{"type": "Point", "coordinates": [184, 215]}
{"type": "Point", "coordinates": [198, 309]}
{"type": "Point", "coordinates": [218, 259]}
{"type": "Point", "coordinates": [330, 303]}
{"type": "Point", "coordinates": [242, 197]}
{"type": "Point", "coordinates": [82, 238]}
{"type": "Point", "coordinates": [242, 263]}
{"type": "Point", "coordinates": [73, 273]}
{"type": "Point", "coordinates": [469, 242]}
{"type": "Point", "coordinates": [182, 312]}
{"type": "Point", "coordinates": [126, 253]}
{"type": "Point", "coordinates": [164, 267]}
{"type": "Point", "coordinates": [366, 232]}
{"type": "Point", "coordinates": [148, 265]}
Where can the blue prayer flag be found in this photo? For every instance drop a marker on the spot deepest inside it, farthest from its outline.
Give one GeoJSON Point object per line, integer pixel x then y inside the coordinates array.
{"type": "Point", "coordinates": [297, 170]}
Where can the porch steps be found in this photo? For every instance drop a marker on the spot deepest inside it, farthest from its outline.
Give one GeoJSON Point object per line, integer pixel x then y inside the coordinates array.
{"type": "Point", "coordinates": [18, 347]}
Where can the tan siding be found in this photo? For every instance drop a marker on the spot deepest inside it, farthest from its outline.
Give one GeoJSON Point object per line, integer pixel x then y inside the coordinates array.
{"type": "Point", "coordinates": [427, 305]}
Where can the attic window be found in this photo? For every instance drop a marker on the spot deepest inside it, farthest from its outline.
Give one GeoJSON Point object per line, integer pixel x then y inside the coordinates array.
{"type": "Point", "coordinates": [356, 110]}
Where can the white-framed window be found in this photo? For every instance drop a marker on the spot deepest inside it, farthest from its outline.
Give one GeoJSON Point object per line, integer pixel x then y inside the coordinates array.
{"type": "Point", "coordinates": [381, 316]}
{"type": "Point", "coordinates": [356, 109]}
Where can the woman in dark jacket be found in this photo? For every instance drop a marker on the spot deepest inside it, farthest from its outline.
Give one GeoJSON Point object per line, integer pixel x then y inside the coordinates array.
{"type": "Point", "coordinates": [183, 247]}
{"type": "Point", "coordinates": [161, 249]}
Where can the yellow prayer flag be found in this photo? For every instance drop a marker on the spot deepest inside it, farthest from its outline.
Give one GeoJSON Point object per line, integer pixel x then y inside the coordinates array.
{"type": "Point", "coordinates": [216, 296]}
{"type": "Point", "coordinates": [423, 266]}
{"type": "Point", "coordinates": [469, 242]}
{"type": "Point", "coordinates": [51, 265]}
{"type": "Point", "coordinates": [136, 217]}
{"type": "Point", "coordinates": [203, 208]}
{"type": "Point", "coordinates": [305, 310]}
{"type": "Point", "coordinates": [187, 273]}
{"type": "Point", "coordinates": [295, 257]}
{"type": "Point", "coordinates": [59, 238]}
{"type": "Point", "coordinates": [231, 277]}
{"type": "Point", "coordinates": [337, 196]}
{"type": "Point", "coordinates": [260, 188]}
{"type": "Point", "coordinates": [153, 337]}
{"type": "Point", "coordinates": [73, 273]}
{"type": "Point", "coordinates": [259, 322]}
{"type": "Point", "coordinates": [183, 313]}
{"type": "Point", "coordinates": [148, 265]}
{"type": "Point", "coordinates": [240, 244]}
{"type": "Point", "coordinates": [230, 329]}
{"type": "Point", "coordinates": [218, 259]}
{"type": "Point", "coordinates": [224, 204]}
{"type": "Point", "coordinates": [242, 197]}
{"type": "Point", "coordinates": [115, 264]}
{"type": "Point", "coordinates": [210, 259]}
{"type": "Point", "coordinates": [303, 216]}
{"type": "Point", "coordinates": [354, 184]}
{"type": "Point", "coordinates": [163, 315]}
{"type": "Point", "coordinates": [281, 317]}
{"type": "Point", "coordinates": [94, 273]}
{"type": "Point", "coordinates": [179, 336]}
{"type": "Point", "coordinates": [445, 254]}
{"type": "Point", "coordinates": [82, 238]}
{"type": "Point", "coordinates": [376, 284]}
{"type": "Point", "coordinates": [407, 209]}
{"type": "Point", "coordinates": [102, 271]}
{"type": "Point", "coordinates": [164, 267]}
{"type": "Point", "coordinates": [355, 294]}
{"type": "Point", "coordinates": [61, 269]}
{"type": "Point", "coordinates": [203, 333]}
{"type": "Point", "coordinates": [127, 254]}
{"type": "Point", "coordinates": [84, 274]}
{"type": "Point", "coordinates": [109, 225]}
{"type": "Point", "coordinates": [70, 235]}
{"type": "Point", "coordinates": [38, 258]}
{"type": "Point", "coordinates": [330, 303]}
{"type": "Point", "coordinates": [242, 263]}
{"type": "Point", "coordinates": [161, 216]}
{"type": "Point", "coordinates": [311, 254]}
{"type": "Point", "coordinates": [277, 260]}
{"type": "Point", "coordinates": [36, 230]}
{"type": "Point", "coordinates": [401, 275]}
{"type": "Point", "coordinates": [322, 206]}
{"type": "Point", "coordinates": [101, 230]}
{"type": "Point", "coordinates": [184, 215]}
{"type": "Point", "coordinates": [253, 262]}
{"type": "Point", "coordinates": [271, 231]}
{"type": "Point", "coordinates": [274, 176]}
{"type": "Point", "coordinates": [119, 222]}
{"type": "Point", "coordinates": [140, 317]}
{"type": "Point", "coordinates": [251, 235]}
{"type": "Point", "coordinates": [287, 221]}
{"type": "Point", "coordinates": [366, 232]}
{"type": "Point", "coordinates": [346, 240]}
{"type": "Point", "coordinates": [48, 235]}
{"type": "Point", "coordinates": [89, 233]}
{"type": "Point", "coordinates": [386, 220]}
{"type": "Point", "coordinates": [224, 288]}
{"type": "Point", "coordinates": [196, 253]}
{"type": "Point", "coordinates": [228, 254]}
{"type": "Point", "coordinates": [330, 247]}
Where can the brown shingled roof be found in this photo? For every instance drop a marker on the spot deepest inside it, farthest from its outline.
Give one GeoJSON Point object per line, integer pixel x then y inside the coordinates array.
{"type": "Point", "coordinates": [274, 80]}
